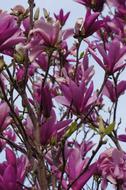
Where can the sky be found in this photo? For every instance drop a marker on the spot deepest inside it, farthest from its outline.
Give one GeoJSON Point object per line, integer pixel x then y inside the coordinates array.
{"type": "Point", "coordinates": [51, 5]}
{"type": "Point", "coordinates": [77, 11]}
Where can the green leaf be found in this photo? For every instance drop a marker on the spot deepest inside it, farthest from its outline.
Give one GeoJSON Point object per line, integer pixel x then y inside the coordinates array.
{"type": "Point", "coordinates": [81, 54]}
{"type": "Point", "coordinates": [101, 126]}
{"type": "Point", "coordinates": [71, 130]}
{"type": "Point", "coordinates": [109, 129]}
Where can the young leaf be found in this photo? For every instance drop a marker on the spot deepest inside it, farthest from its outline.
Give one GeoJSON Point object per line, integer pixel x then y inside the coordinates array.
{"type": "Point", "coordinates": [71, 130]}
{"type": "Point", "coordinates": [109, 129]}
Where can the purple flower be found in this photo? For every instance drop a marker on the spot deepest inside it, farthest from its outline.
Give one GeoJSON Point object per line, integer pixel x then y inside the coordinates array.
{"type": "Point", "coordinates": [43, 97]}
{"type": "Point", "coordinates": [122, 137]}
{"type": "Point", "coordinates": [87, 26]}
{"type": "Point", "coordinates": [112, 167]}
{"type": "Point", "coordinates": [76, 162]}
{"type": "Point", "coordinates": [42, 61]}
{"type": "Point", "coordinates": [10, 134]}
{"type": "Point", "coordinates": [43, 35]}
{"type": "Point", "coordinates": [72, 91]}
{"type": "Point", "coordinates": [53, 129]}
{"type": "Point", "coordinates": [96, 5]}
{"type": "Point", "coordinates": [10, 34]}
{"type": "Point", "coordinates": [4, 116]}
{"type": "Point", "coordinates": [114, 92]}
{"type": "Point", "coordinates": [21, 71]}
{"type": "Point", "coordinates": [113, 58]}
{"type": "Point", "coordinates": [12, 171]}
{"type": "Point", "coordinates": [61, 17]}
{"type": "Point", "coordinates": [117, 2]}
{"type": "Point", "coordinates": [84, 71]}
{"type": "Point", "coordinates": [46, 101]}
{"type": "Point", "coordinates": [20, 74]}
{"type": "Point", "coordinates": [74, 154]}
{"type": "Point", "coordinates": [50, 128]}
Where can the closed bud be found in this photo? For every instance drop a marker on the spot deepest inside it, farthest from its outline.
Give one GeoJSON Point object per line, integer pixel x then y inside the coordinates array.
{"type": "Point", "coordinates": [36, 15]}
{"type": "Point", "coordinates": [79, 28]}
{"type": "Point", "coordinates": [18, 10]}
{"type": "Point", "coordinates": [2, 63]}
{"type": "Point", "coordinates": [19, 57]}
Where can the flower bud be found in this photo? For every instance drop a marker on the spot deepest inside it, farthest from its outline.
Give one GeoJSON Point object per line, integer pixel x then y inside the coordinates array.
{"type": "Point", "coordinates": [36, 15]}
{"type": "Point", "coordinates": [18, 10]}
{"type": "Point", "coordinates": [79, 29]}
{"type": "Point", "coordinates": [19, 57]}
{"type": "Point", "coordinates": [2, 63]}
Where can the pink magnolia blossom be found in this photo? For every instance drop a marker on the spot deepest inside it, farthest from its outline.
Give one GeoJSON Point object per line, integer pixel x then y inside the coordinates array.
{"type": "Point", "coordinates": [20, 72]}
{"type": "Point", "coordinates": [46, 35]}
{"type": "Point", "coordinates": [12, 171]}
{"type": "Point", "coordinates": [76, 162]}
{"type": "Point", "coordinates": [5, 119]}
{"type": "Point", "coordinates": [42, 61]}
{"type": "Point", "coordinates": [122, 137]}
{"type": "Point", "coordinates": [10, 34]}
{"type": "Point", "coordinates": [114, 92]}
{"type": "Point", "coordinates": [84, 71]}
{"type": "Point", "coordinates": [96, 5]}
{"type": "Point", "coordinates": [43, 35]}
{"type": "Point", "coordinates": [42, 96]}
{"type": "Point", "coordinates": [61, 17]}
{"type": "Point", "coordinates": [50, 128]}
{"type": "Point", "coordinates": [117, 3]}
{"type": "Point", "coordinates": [87, 26]}
{"type": "Point", "coordinates": [26, 25]}
{"type": "Point", "coordinates": [113, 58]}
{"type": "Point", "coordinates": [72, 91]}
{"type": "Point", "coordinates": [53, 129]}
{"type": "Point", "coordinates": [9, 134]}
{"type": "Point", "coordinates": [75, 166]}
{"type": "Point", "coordinates": [116, 28]}
{"type": "Point", "coordinates": [112, 168]}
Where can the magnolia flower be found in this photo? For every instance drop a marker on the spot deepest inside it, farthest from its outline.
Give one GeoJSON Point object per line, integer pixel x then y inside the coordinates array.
{"type": "Point", "coordinates": [4, 116]}
{"type": "Point", "coordinates": [74, 154]}
{"type": "Point", "coordinates": [12, 171]}
{"type": "Point", "coordinates": [112, 167]}
{"type": "Point", "coordinates": [43, 35]}
{"type": "Point", "coordinates": [9, 134]}
{"type": "Point", "coordinates": [42, 61]}
{"type": "Point", "coordinates": [96, 5]}
{"type": "Point", "coordinates": [53, 129]}
{"type": "Point", "coordinates": [117, 3]}
{"type": "Point", "coordinates": [42, 96]}
{"type": "Point", "coordinates": [20, 72]}
{"type": "Point", "coordinates": [50, 128]}
{"type": "Point", "coordinates": [84, 71]}
{"type": "Point", "coordinates": [89, 25]}
{"type": "Point", "coordinates": [122, 137]}
{"type": "Point", "coordinates": [10, 34]}
{"type": "Point", "coordinates": [61, 17]}
{"type": "Point", "coordinates": [76, 164]}
{"type": "Point", "coordinates": [114, 92]}
{"type": "Point", "coordinates": [78, 98]}
{"type": "Point", "coordinates": [113, 58]}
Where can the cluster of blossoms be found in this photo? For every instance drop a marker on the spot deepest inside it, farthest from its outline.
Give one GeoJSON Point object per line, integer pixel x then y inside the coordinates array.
{"type": "Point", "coordinates": [52, 120]}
